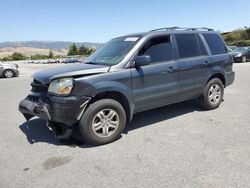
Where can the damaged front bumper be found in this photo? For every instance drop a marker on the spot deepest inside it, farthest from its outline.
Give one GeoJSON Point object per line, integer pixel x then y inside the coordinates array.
{"type": "Point", "coordinates": [62, 113]}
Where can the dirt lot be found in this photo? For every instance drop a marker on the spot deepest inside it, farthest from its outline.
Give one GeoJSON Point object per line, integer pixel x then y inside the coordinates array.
{"type": "Point", "coordinates": [175, 146]}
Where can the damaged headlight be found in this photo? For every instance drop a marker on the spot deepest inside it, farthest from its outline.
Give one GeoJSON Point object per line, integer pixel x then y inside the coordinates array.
{"type": "Point", "coordinates": [62, 86]}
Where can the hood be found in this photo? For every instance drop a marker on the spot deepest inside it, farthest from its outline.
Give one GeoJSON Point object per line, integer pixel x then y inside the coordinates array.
{"type": "Point", "coordinates": [9, 64]}
{"type": "Point", "coordinates": [235, 53]}
{"type": "Point", "coordinates": [71, 70]}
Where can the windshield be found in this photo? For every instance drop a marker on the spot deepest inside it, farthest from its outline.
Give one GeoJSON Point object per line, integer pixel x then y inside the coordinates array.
{"type": "Point", "coordinates": [113, 51]}
{"type": "Point", "coordinates": [240, 50]}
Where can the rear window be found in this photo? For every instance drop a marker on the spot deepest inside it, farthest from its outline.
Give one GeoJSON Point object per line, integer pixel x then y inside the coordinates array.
{"type": "Point", "coordinates": [215, 43]}
{"type": "Point", "coordinates": [187, 45]}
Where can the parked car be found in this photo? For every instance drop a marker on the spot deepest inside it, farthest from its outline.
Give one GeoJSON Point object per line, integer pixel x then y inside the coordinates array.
{"type": "Point", "coordinates": [231, 48]}
{"type": "Point", "coordinates": [241, 54]}
{"type": "Point", "coordinates": [127, 75]}
{"type": "Point", "coordinates": [71, 60]}
{"type": "Point", "coordinates": [8, 70]}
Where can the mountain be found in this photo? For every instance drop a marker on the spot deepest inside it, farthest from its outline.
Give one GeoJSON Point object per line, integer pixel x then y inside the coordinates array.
{"type": "Point", "coordinates": [54, 45]}
{"type": "Point", "coordinates": [29, 51]}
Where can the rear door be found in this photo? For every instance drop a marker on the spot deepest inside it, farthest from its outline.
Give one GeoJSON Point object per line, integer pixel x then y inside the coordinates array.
{"type": "Point", "coordinates": [155, 84]}
{"type": "Point", "coordinates": [193, 64]}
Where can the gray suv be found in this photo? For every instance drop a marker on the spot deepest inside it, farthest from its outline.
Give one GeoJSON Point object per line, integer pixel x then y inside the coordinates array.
{"type": "Point", "coordinates": [130, 74]}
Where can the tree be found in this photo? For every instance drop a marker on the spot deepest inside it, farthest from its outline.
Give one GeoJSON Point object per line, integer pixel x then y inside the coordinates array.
{"type": "Point", "coordinates": [248, 32]}
{"type": "Point", "coordinates": [73, 50]}
{"type": "Point", "coordinates": [82, 50]}
{"type": "Point", "coordinates": [236, 35]}
{"type": "Point", "coordinates": [89, 51]}
{"type": "Point", "coordinates": [51, 55]}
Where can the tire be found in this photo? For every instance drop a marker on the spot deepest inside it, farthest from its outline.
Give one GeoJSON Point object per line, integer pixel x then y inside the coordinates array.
{"type": "Point", "coordinates": [244, 59]}
{"type": "Point", "coordinates": [8, 73]}
{"type": "Point", "coordinates": [99, 126]}
{"type": "Point", "coordinates": [212, 95]}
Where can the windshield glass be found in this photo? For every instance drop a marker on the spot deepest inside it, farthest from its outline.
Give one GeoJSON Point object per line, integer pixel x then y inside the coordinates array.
{"type": "Point", "coordinates": [113, 51]}
{"type": "Point", "coordinates": [240, 50]}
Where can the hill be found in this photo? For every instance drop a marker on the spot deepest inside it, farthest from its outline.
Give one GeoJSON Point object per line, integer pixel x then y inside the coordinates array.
{"type": "Point", "coordinates": [29, 48]}
{"type": "Point", "coordinates": [28, 51]}
{"type": "Point", "coordinates": [54, 45]}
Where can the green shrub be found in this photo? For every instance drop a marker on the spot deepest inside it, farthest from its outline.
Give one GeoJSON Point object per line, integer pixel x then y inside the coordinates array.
{"type": "Point", "coordinates": [18, 56]}
{"type": "Point", "coordinates": [8, 58]}
{"type": "Point", "coordinates": [239, 43]}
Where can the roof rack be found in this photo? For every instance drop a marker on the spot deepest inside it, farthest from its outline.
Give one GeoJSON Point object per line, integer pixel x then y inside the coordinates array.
{"type": "Point", "coordinates": [183, 28]}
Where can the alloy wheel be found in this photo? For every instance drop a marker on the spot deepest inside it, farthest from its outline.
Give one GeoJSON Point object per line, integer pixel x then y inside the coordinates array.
{"type": "Point", "coordinates": [214, 94]}
{"type": "Point", "coordinates": [105, 122]}
{"type": "Point", "coordinates": [8, 74]}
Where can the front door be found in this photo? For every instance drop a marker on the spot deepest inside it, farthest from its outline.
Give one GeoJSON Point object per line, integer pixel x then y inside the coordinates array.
{"type": "Point", "coordinates": [155, 84]}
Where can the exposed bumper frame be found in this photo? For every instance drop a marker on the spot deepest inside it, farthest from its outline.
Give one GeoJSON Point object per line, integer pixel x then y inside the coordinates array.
{"type": "Point", "coordinates": [62, 113]}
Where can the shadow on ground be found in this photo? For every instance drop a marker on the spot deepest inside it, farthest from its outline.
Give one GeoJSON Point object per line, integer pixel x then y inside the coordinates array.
{"type": "Point", "coordinates": [150, 117]}
{"type": "Point", "coordinates": [37, 131]}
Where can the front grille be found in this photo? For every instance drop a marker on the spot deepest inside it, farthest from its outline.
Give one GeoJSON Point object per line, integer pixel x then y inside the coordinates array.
{"type": "Point", "coordinates": [38, 87]}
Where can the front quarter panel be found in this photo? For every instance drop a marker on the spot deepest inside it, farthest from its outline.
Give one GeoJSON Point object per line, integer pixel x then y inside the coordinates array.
{"type": "Point", "coordinates": [118, 81]}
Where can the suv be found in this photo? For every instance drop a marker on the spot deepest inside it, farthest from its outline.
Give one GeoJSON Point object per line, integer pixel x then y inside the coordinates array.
{"type": "Point", "coordinates": [130, 74]}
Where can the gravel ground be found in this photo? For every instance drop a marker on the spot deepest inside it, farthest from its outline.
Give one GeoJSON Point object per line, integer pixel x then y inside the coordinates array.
{"type": "Point", "coordinates": [174, 146]}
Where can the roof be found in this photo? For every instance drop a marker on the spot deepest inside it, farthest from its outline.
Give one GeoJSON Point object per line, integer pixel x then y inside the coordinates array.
{"type": "Point", "coordinates": [170, 30]}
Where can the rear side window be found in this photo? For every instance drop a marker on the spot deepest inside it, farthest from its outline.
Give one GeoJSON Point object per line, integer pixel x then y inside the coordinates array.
{"type": "Point", "coordinates": [215, 43]}
{"type": "Point", "coordinates": [159, 49]}
{"type": "Point", "coordinates": [187, 45]}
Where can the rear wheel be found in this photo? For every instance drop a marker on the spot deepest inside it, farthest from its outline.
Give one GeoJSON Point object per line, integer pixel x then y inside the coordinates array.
{"type": "Point", "coordinates": [103, 122]}
{"type": "Point", "coordinates": [8, 74]}
{"type": "Point", "coordinates": [213, 94]}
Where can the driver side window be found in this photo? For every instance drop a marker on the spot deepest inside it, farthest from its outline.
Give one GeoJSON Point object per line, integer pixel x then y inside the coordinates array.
{"type": "Point", "coordinates": [159, 49]}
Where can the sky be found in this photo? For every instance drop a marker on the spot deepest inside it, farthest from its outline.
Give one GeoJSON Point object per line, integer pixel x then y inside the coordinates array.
{"type": "Point", "coordinates": [101, 20]}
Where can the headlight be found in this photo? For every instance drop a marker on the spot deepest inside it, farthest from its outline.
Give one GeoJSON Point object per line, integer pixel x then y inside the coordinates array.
{"type": "Point", "coordinates": [238, 55]}
{"type": "Point", "coordinates": [62, 86]}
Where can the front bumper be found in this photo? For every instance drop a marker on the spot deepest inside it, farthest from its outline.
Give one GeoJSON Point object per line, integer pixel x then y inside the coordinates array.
{"type": "Point", "coordinates": [237, 59]}
{"type": "Point", "coordinates": [64, 110]}
{"type": "Point", "coordinates": [16, 72]}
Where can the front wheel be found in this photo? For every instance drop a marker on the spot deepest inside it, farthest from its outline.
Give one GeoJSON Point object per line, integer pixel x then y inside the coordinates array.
{"type": "Point", "coordinates": [212, 95]}
{"type": "Point", "coordinates": [103, 122]}
{"type": "Point", "coordinates": [244, 59]}
{"type": "Point", "coordinates": [8, 74]}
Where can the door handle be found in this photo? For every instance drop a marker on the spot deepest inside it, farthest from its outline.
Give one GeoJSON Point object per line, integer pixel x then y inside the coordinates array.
{"type": "Point", "coordinates": [171, 69]}
{"type": "Point", "coordinates": [205, 63]}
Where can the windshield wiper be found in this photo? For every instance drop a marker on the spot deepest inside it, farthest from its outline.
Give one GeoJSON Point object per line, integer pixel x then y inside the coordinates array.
{"type": "Point", "coordinates": [91, 62]}
{"type": "Point", "coordinates": [97, 63]}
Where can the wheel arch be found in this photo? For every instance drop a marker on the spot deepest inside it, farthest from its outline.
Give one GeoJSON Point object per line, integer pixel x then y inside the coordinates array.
{"type": "Point", "coordinates": [117, 96]}
{"type": "Point", "coordinates": [218, 75]}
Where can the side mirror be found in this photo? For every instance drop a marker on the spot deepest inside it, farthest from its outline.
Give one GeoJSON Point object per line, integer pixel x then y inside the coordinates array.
{"type": "Point", "coordinates": [142, 60]}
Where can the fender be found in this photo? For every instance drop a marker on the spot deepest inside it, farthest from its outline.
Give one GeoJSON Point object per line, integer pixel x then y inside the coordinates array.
{"type": "Point", "coordinates": [217, 70]}
{"type": "Point", "coordinates": [95, 88]}
{"type": "Point", "coordinates": [113, 86]}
